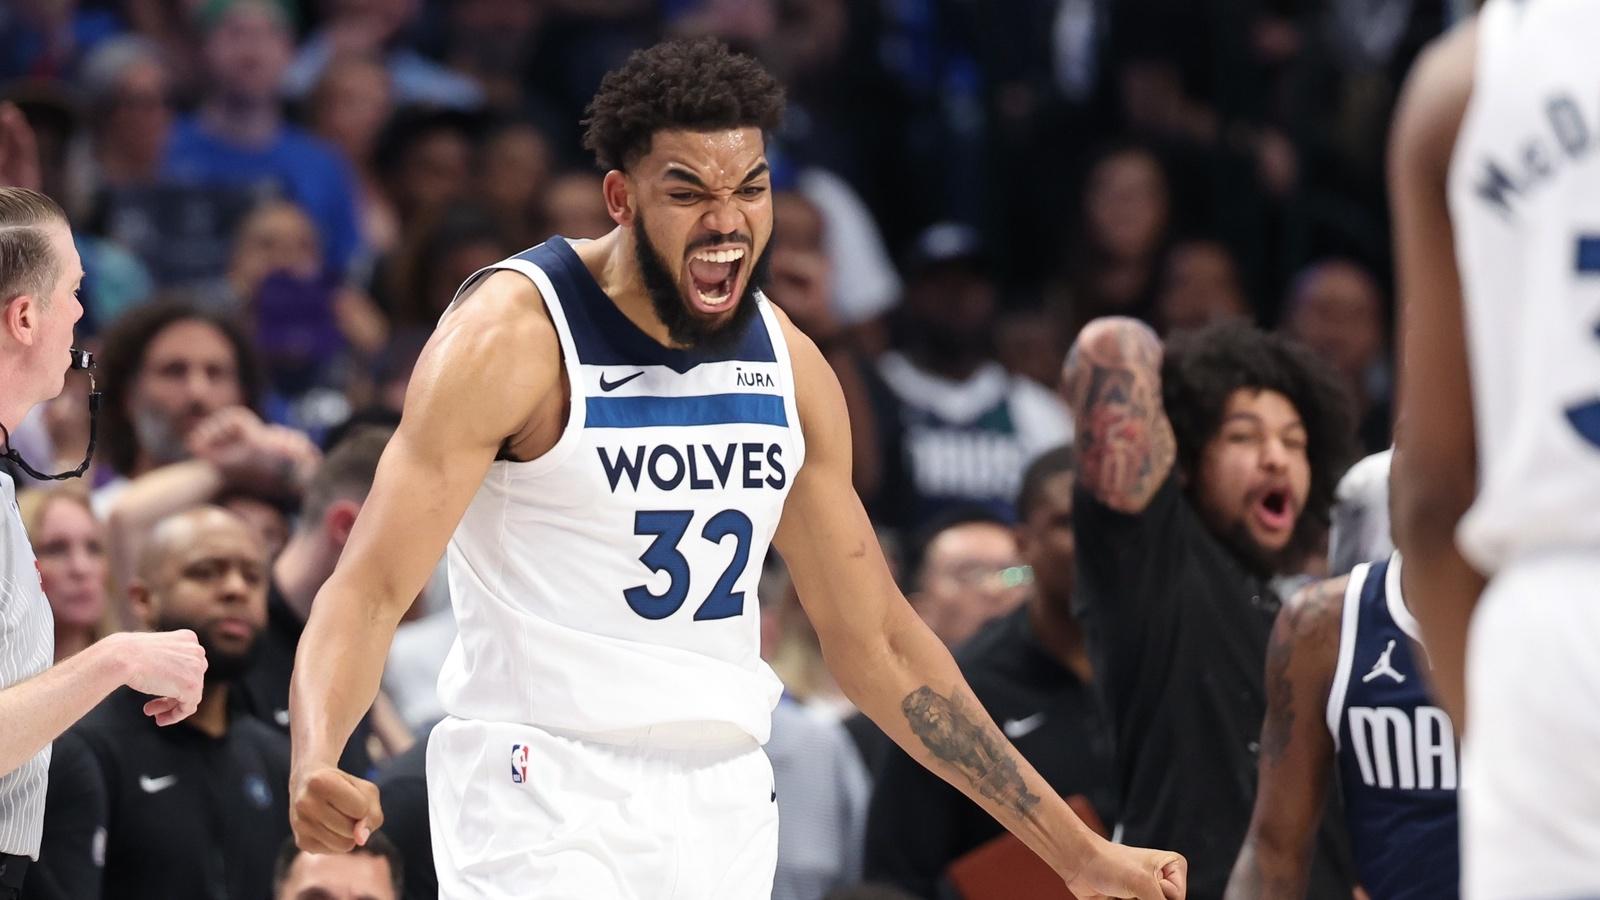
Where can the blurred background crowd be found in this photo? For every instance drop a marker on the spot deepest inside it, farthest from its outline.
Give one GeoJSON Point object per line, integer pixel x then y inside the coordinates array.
{"type": "Point", "coordinates": [276, 199]}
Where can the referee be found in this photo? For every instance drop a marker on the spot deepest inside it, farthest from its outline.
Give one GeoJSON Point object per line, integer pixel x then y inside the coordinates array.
{"type": "Point", "coordinates": [39, 275]}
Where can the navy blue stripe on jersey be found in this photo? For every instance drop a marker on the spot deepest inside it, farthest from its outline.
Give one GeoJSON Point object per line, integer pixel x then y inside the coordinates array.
{"type": "Point", "coordinates": [709, 409]}
{"type": "Point", "coordinates": [1398, 762]}
{"type": "Point", "coordinates": [603, 336]}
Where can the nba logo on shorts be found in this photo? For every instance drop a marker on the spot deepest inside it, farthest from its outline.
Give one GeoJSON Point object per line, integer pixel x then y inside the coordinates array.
{"type": "Point", "coordinates": [519, 763]}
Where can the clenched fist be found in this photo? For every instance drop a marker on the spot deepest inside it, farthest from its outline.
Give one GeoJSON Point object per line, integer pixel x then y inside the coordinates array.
{"type": "Point", "coordinates": [331, 811]}
{"type": "Point", "coordinates": [168, 665]}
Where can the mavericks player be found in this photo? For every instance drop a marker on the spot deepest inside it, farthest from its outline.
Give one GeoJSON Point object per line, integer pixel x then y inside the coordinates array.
{"type": "Point", "coordinates": [1495, 182]}
{"type": "Point", "coordinates": [1345, 693]}
{"type": "Point", "coordinates": [607, 435]}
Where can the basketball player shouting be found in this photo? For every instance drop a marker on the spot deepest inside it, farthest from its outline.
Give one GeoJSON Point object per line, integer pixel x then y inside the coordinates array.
{"type": "Point", "coordinates": [1496, 191]}
{"type": "Point", "coordinates": [607, 435]}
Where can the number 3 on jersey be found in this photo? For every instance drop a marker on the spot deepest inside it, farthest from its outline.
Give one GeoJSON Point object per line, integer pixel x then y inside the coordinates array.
{"type": "Point", "coordinates": [663, 555]}
{"type": "Point", "coordinates": [1585, 417]}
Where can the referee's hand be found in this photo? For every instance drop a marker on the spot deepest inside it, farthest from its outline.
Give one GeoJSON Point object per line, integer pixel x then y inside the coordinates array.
{"type": "Point", "coordinates": [332, 811]}
{"type": "Point", "coordinates": [168, 665]}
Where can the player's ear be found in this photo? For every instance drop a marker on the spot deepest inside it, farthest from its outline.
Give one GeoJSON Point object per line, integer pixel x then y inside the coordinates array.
{"type": "Point", "coordinates": [619, 197]}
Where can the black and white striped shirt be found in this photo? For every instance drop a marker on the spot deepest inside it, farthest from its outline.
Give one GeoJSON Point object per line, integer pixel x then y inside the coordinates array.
{"type": "Point", "coordinates": [27, 641]}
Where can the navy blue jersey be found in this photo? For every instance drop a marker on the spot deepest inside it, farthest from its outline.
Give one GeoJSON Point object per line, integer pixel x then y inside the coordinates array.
{"type": "Point", "coordinates": [1397, 756]}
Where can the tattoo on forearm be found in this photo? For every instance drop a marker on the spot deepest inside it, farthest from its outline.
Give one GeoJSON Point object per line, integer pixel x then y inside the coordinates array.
{"type": "Point", "coordinates": [967, 743]}
{"type": "Point", "coordinates": [1280, 697]}
{"type": "Point", "coordinates": [1112, 382]}
{"type": "Point", "coordinates": [1309, 624]}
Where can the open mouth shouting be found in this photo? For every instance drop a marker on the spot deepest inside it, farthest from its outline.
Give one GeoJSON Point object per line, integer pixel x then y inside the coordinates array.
{"type": "Point", "coordinates": [714, 278]}
{"type": "Point", "coordinates": [1274, 510]}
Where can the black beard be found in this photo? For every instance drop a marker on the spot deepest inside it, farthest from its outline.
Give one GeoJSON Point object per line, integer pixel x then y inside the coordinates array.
{"type": "Point", "coordinates": [684, 327]}
{"type": "Point", "coordinates": [221, 666]}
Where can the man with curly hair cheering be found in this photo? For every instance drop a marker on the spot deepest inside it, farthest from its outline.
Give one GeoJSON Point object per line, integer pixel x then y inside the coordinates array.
{"type": "Point", "coordinates": [1206, 470]}
{"type": "Point", "coordinates": [608, 435]}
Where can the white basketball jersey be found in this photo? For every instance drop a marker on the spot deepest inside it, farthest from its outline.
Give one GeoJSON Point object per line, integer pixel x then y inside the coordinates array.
{"type": "Point", "coordinates": [1524, 190]}
{"type": "Point", "coordinates": [607, 589]}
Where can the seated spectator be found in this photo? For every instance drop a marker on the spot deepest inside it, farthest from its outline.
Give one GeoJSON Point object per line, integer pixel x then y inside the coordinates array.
{"type": "Point", "coordinates": [1199, 286]}
{"type": "Point", "coordinates": [424, 160]}
{"type": "Point", "coordinates": [957, 428]}
{"type": "Point", "coordinates": [372, 871]}
{"type": "Point", "coordinates": [1336, 308]}
{"type": "Point", "coordinates": [512, 179]}
{"type": "Point", "coordinates": [70, 546]}
{"type": "Point", "coordinates": [1121, 231]}
{"type": "Point", "coordinates": [333, 498]}
{"type": "Point", "coordinates": [348, 108]}
{"type": "Point", "coordinates": [438, 260]}
{"type": "Point", "coordinates": [1030, 670]}
{"type": "Point", "coordinates": [378, 27]}
{"type": "Point", "coordinates": [128, 97]}
{"type": "Point", "coordinates": [574, 206]}
{"type": "Point", "coordinates": [134, 810]}
{"type": "Point", "coordinates": [176, 427]}
{"type": "Point", "coordinates": [238, 137]}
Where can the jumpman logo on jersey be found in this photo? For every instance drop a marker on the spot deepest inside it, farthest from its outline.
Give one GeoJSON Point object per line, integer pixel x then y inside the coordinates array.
{"type": "Point", "coordinates": [1384, 667]}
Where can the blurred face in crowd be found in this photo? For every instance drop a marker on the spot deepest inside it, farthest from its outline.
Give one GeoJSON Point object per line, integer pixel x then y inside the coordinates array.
{"type": "Point", "coordinates": [953, 303]}
{"type": "Point", "coordinates": [436, 170]}
{"type": "Point", "coordinates": [456, 264]}
{"type": "Point", "coordinates": [277, 237]}
{"type": "Point", "coordinates": [801, 278]}
{"type": "Point", "coordinates": [575, 206]}
{"type": "Point", "coordinates": [963, 584]}
{"type": "Point", "coordinates": [1045, 542]}
{"type": "Point", "coordinates": [516, 169]}
{"type": "Point", "coordinates": [205, 570]}
{"type": "Point", "coordinates": [248, 51]}
{"type": "Point", "coordinates": [269, 523]}
{"type": "Point", "coordinates": [139, 120]}
{"type": "Point", "coordinates": [338, 876]}
{"type": "Point", "coordinates": [1337, 312]}
{"type": "Point", "coordinates": [351, 105]}
{"type": "Point", "coordinates": [70, 546]}
{"type": "Point", "coordinates": [1255, 473]}
{"type": "Point", "coordinates": [1126, 205]}
{"type": "Point", "coordinates": [189, 371]}
{"type": "Point", "coordinates": [1200, 286]}
{"type": "Point", "coordinates": [699, 210]}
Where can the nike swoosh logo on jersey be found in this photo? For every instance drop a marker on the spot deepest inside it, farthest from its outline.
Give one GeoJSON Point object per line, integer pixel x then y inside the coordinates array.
{"type": "Point", "coordinates": [613, 385]}
{"type": "Point", "coordinates": [156, 785]}
{"type": "Point", "coordinates": [1016, 728]}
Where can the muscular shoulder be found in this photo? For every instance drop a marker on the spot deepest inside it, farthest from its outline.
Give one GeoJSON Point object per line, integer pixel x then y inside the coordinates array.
{"type": "Point", "coordinates": [493, 358]}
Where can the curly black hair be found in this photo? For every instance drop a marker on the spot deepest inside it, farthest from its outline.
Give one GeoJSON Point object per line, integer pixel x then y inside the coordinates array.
{"type": "Point", "coordinates": [1203, 368]}
{"type": "Point", "coordinates": [122, 357]}
{"type": "Point", "coordinates": [693, 85]}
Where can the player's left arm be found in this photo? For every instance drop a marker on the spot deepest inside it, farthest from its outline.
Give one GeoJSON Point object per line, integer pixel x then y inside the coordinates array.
{"type": "Point", "coordinates": [1434, 476]}
{"type": "Point", "coordinates": [897, 672]}
{"type": "Point", "coordinates": [1296, 748]}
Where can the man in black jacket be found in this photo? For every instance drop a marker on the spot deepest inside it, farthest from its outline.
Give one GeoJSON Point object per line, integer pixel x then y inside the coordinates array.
{"type": "Point", "coordinates": [197, 810]}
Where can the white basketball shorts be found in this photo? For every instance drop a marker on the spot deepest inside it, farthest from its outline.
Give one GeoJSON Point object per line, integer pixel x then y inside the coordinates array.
{"type": "Point", "coordinates": [520, 812]}
{"type": "Point", "coordinates": [1530, 792]}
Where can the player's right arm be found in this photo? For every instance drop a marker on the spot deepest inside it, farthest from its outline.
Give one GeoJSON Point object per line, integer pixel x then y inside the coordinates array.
{"type": "Point", "coordinates": [492, 366]}
{"type": "Point", "coordinates": [1112, 381]}
{"type": "Point", "coordinates": [1296, 748]}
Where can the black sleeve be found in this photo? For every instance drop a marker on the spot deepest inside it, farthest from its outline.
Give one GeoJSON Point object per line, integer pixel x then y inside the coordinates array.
{"type": "Point", "coordinates": [1127, 566]}
{"type": "Point", "coordinates": [405, 821]}
{"type": "Point", "coordinates": [76, 815]}
{"type": "Point", "coordinates": [913, 830]}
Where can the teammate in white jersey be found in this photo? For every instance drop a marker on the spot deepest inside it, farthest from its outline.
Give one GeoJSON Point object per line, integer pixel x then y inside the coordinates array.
{"type": "Point", "coordinates": [1495, 183]}
{"type": "Point", "coordinates": [606, 435]}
